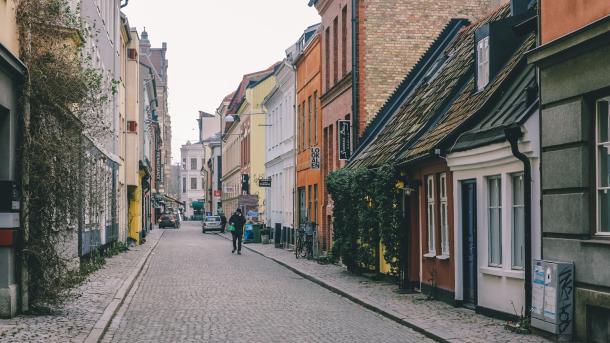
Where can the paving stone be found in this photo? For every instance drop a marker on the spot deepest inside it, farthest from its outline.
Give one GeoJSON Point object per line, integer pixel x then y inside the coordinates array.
{"type": "Point", "coordinates": [195, 290]}
{"type": "Point", "coordinates": [77, 316]}
{"type": "Point", "coordinates": [457, 323]}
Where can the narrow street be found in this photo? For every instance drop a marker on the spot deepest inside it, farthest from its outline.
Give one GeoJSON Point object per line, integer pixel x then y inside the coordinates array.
{"type": "Point", "coordinates": [195, 290]}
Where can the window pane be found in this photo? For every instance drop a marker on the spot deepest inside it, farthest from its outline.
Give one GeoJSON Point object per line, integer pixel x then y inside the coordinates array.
{"type": "Point", "coordinates": [518, 237]}
{"type": "Point", "coordinates": [494, 192]}
{"type": "Point", "coordinates": [604, 166]}
{"type": "Point", "coordinates": [603, 121]}
{"type": "Point", "coordinates": [518, 190]}
{"type": "Point", "coordinates": [603, 211]}
{"type": "Point", "coordinates": [444, 229]}
{"type": "Point", "coordinates": [430, 215]}
{"type": "Point", "coordinates": [495, 240]}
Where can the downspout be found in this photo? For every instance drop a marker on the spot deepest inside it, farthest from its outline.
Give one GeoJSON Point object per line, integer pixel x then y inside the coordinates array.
{"type": "Point", "coordinates": [513, 134]}
{"type": "Point", "coordinates": [125, 4]}
{"type": "Point", "coordinates": [355, 76]}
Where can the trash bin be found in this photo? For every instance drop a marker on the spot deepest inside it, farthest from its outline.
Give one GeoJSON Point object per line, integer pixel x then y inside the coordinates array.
{"type": "Point", "coordinates": [248, 233]}
{"type": "Point", "coordinates": [256, 233]}
{"type": "Point", "coordinates": [277, 236]}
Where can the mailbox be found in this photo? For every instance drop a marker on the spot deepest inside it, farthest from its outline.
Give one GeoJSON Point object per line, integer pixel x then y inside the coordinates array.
{"type": "Point", "coordinates": [553, 297]}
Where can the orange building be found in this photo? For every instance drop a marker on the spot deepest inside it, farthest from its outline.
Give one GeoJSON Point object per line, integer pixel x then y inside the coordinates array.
{"type": "Point", "coordinates": [309, 139]}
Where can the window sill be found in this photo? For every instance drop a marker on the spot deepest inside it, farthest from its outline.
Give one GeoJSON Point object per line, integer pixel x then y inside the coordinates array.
{"type": "Point", "coordinates": [430, 255]}
{"type": "Point", "coordinates": [598, 240]}
{"type": "Point", "coordinates": [442, 257]}
{"type": "Point", "coordinates": [512, 274]}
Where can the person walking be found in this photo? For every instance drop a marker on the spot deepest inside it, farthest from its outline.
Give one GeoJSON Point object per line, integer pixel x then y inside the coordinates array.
{"type": "Point", "coordinates": [236, 223]}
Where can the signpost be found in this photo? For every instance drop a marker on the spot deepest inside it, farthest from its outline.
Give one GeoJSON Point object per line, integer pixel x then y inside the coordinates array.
{"type": "Point", "coordinates": [264, 183]}
{"type": "Point", "coordinates": [345, 150]}
{"type": "Point", "coordinates": [315, 158]}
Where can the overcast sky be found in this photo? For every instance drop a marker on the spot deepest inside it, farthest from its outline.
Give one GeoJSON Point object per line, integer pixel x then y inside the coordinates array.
{"type": "Point", "coordinates": [211, 44]}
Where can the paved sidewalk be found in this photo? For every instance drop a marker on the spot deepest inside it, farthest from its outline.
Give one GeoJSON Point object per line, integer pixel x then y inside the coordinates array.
{"type": "Point", "coordinates": [77, 317]}
{"type": "Point", "coordinates": [435, 318]}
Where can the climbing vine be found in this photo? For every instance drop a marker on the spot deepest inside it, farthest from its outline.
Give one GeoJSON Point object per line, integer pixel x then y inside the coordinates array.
{"type": "Point", "coordinates": [64, 101]}
{"type": "Point", "coordinates": [367, 215]}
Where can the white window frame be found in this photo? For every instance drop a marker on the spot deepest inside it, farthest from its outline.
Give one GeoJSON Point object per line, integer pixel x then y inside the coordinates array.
{"type": "Point", "coordinates": [489, 210]}
{"type": "Point", "coordinates": [482, 63]}
{"type": "Point", "coordinates": [515, 206]}
{"type": "Point", "coordinates": [444, 213]}
{"type": "Point", "coordinates": [598, 175]}
{"type": "Point", "coordinates": [430, 201]}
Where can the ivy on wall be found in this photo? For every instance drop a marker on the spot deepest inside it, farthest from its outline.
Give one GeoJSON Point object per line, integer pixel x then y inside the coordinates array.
{"type": "Point", "coordinates": [367, 213]}
{"type": "Point", "coordinates": [64, 99]}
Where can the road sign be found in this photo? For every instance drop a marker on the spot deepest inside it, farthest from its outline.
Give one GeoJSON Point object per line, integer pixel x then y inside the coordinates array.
{"type": "Point", "coordinates": [217, 193]}
{"type": "Point", "coordinates": [345, 149]}
{"type": "Point", "coordinates": [264, 182]}
{"type": "Point", "coordinates": [315, 158]}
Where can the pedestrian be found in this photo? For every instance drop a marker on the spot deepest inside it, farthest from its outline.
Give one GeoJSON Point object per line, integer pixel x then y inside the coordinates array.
{"type": "Point", "coordinates": [223, 222]}
{"type": "Point", "coordinates": [236, 227]}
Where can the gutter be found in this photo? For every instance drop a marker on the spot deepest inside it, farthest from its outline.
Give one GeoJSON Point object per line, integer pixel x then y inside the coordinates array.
{"type": "Point", "coordinates": [513, 134]}
{"type": "Point", "coordinates": [355, 75]}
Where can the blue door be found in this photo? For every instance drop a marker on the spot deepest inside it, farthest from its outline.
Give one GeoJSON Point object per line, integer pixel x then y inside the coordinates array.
{"type": "Point", "coordinates": [469, 241]}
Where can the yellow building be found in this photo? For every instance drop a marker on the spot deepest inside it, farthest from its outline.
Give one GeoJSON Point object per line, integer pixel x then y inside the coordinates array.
{"type": "Point", "coordinates": [130, 123]}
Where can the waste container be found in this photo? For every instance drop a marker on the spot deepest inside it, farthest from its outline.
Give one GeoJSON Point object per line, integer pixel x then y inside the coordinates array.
{"type": "Point", "coordinates": [248, 233]}
{"type": "Point", "coordinates": [256, 233]}
{"type": "Point", "coordinates": [277, 236]}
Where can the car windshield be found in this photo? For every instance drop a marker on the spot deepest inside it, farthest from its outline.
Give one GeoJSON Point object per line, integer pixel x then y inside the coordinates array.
{"type": "Point", "coordinates": [212, 219]}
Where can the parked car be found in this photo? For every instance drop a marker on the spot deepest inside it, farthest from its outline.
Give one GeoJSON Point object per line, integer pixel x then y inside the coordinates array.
{"type": "Point", "coordinates": [211, 223]}
{"type": "Point", "coordinates": [168, 220]}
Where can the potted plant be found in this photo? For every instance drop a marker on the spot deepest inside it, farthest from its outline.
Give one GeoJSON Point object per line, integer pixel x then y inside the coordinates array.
{"type": "Point", "coordinates": [265, 235]}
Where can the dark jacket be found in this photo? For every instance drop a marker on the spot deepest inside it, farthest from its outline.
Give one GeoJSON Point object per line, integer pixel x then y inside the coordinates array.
{"type": "Point", "coordinates": [223, 220]}
{"type": "Point", "coordinates": [238, 220]}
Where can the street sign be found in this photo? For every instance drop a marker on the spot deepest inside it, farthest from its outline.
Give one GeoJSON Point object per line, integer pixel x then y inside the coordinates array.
{"type": "Point", "coordinates": [264, 183]}
{"type": "Point", "coordinates": [345, 150]}
{"type": "Point", "coordinates": [315, 158]}
{"type": "Point", "coordinates": [217, 192]}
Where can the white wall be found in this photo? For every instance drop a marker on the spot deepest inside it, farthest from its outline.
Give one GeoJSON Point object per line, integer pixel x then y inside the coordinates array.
{"type": "Point", "coordinates": [497, 286]}
{"type": "Point", "coordinates": [187, 152]}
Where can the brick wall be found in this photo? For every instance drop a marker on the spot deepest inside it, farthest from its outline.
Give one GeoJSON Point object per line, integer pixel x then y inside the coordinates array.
{"type": "Point", "coordinates": [393, 36]}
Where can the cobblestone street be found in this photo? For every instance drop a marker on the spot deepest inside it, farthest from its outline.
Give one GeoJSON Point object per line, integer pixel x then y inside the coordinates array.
{"type": "Point", "coordinates": [195, 290]}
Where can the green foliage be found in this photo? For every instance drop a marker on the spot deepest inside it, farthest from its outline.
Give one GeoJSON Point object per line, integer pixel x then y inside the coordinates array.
{"type": "Point", "coordinates": [64, 99]}
{"type": "Point", "coordinates": [366, 212]}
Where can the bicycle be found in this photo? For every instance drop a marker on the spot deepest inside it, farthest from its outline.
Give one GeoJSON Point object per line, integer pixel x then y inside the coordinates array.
{"type": "Point", "coordinates": [304, 243]}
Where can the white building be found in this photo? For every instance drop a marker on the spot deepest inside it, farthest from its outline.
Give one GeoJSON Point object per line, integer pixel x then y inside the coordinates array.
{"type": "Point", "coordinates": [489, 202]}
{"type": "Point", "coordinates": [215, 168]}
{"type": "Point", "coordinates": [279, 148]}
{"type": "Point", "coordinates": [193, 182]}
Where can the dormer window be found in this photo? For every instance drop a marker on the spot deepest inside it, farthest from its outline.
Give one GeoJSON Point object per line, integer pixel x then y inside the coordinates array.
{"type": "Point", "coordinates": [482, 63]}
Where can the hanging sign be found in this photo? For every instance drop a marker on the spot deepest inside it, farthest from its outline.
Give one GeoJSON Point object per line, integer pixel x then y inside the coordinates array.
{"type": "Point", "coordinates": [344, 140]}
{"type": "Point", "coordinates": [264, 183]}
{"type": "Point", "coordinates": [315, 158]}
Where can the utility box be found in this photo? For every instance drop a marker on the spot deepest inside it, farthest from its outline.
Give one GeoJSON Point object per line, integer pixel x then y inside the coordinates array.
{"type": "Point", "coordinates": [553, 298]}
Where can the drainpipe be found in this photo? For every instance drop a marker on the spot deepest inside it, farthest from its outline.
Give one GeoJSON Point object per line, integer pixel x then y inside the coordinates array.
{"type": "Point", "coordinates": [125, 4]}
{"type": "Point", "coordinates": [355, 75]}
{"type": "Point", "coordinates": [513, 134]}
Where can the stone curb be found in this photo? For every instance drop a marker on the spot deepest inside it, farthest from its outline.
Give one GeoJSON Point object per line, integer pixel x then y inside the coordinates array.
{"type": "Point", "coordinates": [366, 304]}
{"type": "Point", "coordinates": [100, 327]}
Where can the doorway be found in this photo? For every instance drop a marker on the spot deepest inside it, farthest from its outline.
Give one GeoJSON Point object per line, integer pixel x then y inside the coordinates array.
{"type": "Point", "coordinates": [469, 241]}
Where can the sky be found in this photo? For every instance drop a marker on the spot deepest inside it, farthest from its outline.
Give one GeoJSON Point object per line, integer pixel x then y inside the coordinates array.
{"type": "Point", "coordinates": [211, 44]}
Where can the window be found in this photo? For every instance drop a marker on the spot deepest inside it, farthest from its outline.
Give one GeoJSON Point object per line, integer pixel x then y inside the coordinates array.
{"type": "Point", "coordinates": [300, 123]}
{"type": "Point", "coordinates": [315, 203]}
{"type": "Point", "coordinates": [331, 149]}
{"type": "Point", "coordinates": [495, 220]}
{"type": "Point", "coordinates": [443, 219]}
{"type": "Point", "coordinates": [309, 124]}
{"type": "Point", "coordinates": [430, 214]}
{"type": "Point", "coordinates": [315, 118]}
{"type": "Point", "coordinates": [184, 163]}
{"type": "Point", "coordinates": [518, 222]}
{"type": "Point", "coordinates": [344, 41]}
{"type": "Point", "coordinates": [193, 164]}
{"type": "Point", "coordinates": [327, 58]}
{"type": "Point", "coordinates": [193, 183]}
{"type": "Point", "coordinates": [335, 50]}
{"type": "Point", "coordinates": [309, 205]}
{"type": "Point", "coordinates": [482, 63]}
{"type": "Point", "coordinates": [183, 185]}
{"type": "Point", "coordinates": [603, 167]}
{"type": "Point", "coordinates": [303, 126]}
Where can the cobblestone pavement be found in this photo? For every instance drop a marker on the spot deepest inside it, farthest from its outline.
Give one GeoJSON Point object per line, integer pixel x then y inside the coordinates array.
{"type": "Point", "coordinates": [454, 324]}
{"type": "Point", "coordinates": [195, 290]}
{"type": "Point", "coordinates": [75, 319]}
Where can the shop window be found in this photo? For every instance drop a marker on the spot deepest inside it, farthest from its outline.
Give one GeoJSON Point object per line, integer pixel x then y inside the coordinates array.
{"type": "Point", "coordinates": [443, 211]}
{"type": "Point", "coordinates": [430, 215]}
{"type": "Point", "coordinates": [518, 223]}
{"type": "Point", "coordinates": [603, 167]}
{"type": "Point", "coordinates": [494, 214]}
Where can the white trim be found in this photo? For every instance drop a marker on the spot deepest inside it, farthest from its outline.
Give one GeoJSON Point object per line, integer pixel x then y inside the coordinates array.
{"type": "Point", "coordinates": [430, 223]}
{"type": "Point", "coordinates": [513, 274]}
{"type": "Point", "coordinates": [598, 187]}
